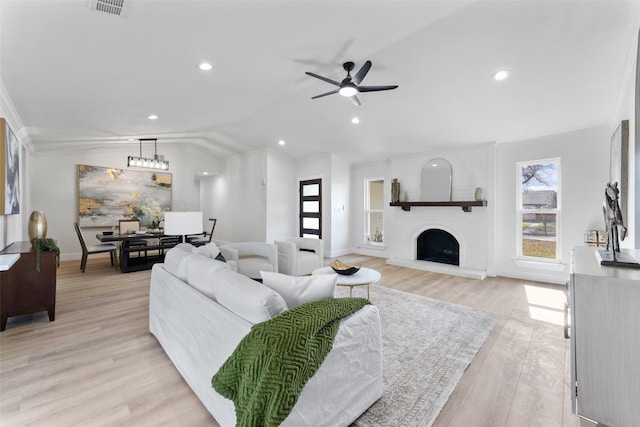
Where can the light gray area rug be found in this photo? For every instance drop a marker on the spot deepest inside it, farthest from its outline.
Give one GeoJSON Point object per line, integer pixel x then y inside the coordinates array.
{"type": "Point", "coordinates": [427, 345]}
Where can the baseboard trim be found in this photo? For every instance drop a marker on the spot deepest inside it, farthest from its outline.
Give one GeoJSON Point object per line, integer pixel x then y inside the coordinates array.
{"type": "Point", "coordinates": [437, 267]}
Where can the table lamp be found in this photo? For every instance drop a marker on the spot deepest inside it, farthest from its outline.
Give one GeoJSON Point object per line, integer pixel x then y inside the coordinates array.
{"type": "Point", "coordinates": [182, 223]}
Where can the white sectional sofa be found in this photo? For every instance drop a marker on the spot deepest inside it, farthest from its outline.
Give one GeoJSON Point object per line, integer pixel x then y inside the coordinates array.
{"type": "Point", "coordinates": [199, 310]}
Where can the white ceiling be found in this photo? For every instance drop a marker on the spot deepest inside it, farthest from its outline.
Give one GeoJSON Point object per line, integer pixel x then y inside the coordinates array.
{"type": "Point", "coordinates": [81, 78]}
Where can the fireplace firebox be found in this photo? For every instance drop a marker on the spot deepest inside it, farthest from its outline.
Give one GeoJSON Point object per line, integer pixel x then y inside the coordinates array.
{"type": "Point", "coordinates": [437, 245]}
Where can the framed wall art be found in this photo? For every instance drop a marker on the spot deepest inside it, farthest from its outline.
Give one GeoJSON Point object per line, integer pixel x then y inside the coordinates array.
{"type": "Point", "coordinates": [107, 195]}
{"type": "Point", "coordinates": [9, 171]}
{"type": "Point", "coordinates": [619, 165]}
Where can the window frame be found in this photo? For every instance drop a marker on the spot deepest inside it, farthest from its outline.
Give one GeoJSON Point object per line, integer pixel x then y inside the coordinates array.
{"type": "Point", "coordinates": [367, 238]}
{"type": "Point", "coordinates": [520, 211]}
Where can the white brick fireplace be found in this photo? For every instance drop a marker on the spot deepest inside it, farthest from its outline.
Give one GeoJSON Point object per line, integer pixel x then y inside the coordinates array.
{"type": "Point", "coordinates": [469, 228]}
{"type": "Point", "coordinates": [473, 230]}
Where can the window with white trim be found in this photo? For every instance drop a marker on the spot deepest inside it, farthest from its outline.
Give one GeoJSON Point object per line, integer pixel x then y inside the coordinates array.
{"type": "Point", "coordinates": [538, 210]}
{"type": "Point", "coordinates": [374, 211]}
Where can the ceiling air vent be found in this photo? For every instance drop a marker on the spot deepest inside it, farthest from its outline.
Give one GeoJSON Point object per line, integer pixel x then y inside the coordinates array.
{"type": "Point", "coordinates": [112, 7]}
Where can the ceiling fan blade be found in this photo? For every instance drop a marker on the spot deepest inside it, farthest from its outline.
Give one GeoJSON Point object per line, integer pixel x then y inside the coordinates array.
{"type": "Point", "coordinates": [325, 94]}
{"type": "Point", "coordinates": [375, 88]}
{"type": "Point", "coordinates": [333, 82]}
{"type": "Point", "coordinates": [361, 73]}
{"type": "Point", "coordinates": [355, 100]}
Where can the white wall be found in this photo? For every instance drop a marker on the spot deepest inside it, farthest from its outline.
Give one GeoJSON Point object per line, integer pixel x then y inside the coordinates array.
{"type": "Point", "coordinates": [239, 198]}
{"type": "Point", "coordinates": [253, 198]}
{"type": "Point", "coordinates": [214, 201]}
{"type": "Point", "coordinates": [53, 186]}
{"type": "Point", "coordinates": [340, 207]}
{"type": "Point", "coordinates": [584, 163]}
{"type": "Point", "coordinates": [282, 196]}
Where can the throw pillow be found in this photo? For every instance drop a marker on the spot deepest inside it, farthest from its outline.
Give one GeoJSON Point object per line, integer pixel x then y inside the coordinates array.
{"type": "Point", "coordinates": [246, 297]}
{"type": "Point", "coordinates": [298, 290]}
{"type": "Point", "coordinates": [175, 260]}
{"type": "Point", "coordinates": [187, 247]}
{"type": "Point", "coordinates": [202, 272]}
{"type": "Point", "coordinates": [210, 250]}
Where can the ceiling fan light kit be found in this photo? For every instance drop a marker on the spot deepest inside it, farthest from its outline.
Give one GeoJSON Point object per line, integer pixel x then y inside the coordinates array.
{"type": "Point", "coordinates": [348, 91]}
{"type": "Point", "coordinates": [350, 86]}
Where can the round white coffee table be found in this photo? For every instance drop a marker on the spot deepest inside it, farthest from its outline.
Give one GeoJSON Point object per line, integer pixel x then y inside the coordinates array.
{"type": "Point", "coordinates": [364, 277]}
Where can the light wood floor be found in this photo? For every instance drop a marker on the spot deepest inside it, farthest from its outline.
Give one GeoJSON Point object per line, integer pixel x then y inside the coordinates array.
{"type": "Point", "coordinates": [97, 364]}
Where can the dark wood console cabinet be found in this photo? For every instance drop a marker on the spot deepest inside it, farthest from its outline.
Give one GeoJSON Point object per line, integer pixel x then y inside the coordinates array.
{"type": "Point", "coordinates": [23, 290]}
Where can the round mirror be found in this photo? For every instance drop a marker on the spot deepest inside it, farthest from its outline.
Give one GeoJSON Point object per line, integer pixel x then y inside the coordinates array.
{"type": "Point", "coordinates": [435, 182]}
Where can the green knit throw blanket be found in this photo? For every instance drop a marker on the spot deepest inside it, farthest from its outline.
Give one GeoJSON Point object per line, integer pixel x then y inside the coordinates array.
{"type": "Point", "coordinates": [268, 370]}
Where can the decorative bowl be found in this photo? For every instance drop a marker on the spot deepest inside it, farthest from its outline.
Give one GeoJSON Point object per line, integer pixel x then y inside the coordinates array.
{"type": "Point", "coordinates": [344, 269]}
{"type": "Point", "coordinates": [107, 233]}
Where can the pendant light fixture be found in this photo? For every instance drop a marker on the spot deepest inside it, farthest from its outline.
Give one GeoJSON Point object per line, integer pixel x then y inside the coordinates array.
{"type": "Point", "coordinates": [158, 162]}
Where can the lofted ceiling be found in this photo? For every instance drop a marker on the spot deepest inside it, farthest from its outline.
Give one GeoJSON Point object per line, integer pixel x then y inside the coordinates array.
{"type": "Point", "coordinates": [80, 78]}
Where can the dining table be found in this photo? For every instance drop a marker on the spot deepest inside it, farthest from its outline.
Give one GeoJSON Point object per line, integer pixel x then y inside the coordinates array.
{"type": "Point", "coordinates": [123, 237]}
{"type": "Point", "coordinates": [147, 254]}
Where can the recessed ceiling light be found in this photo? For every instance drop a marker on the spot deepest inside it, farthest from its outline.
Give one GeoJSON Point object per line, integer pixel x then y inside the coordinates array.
{"type": "Point", "coordinates": [205, 66]}
{"type": "Point", "coordinates": [281, 142]}
{"type": "Point", "coordinates": [355, 120]}
{"type": "Point", "coordinates": [152, 117]}
{"type": "Point", "coordinates": [501, 75]}
{"type": "Point", "coordinates": [205, 173]}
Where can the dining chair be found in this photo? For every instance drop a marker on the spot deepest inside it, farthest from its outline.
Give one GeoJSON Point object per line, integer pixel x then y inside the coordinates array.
{"type": "Point", "coordinates": [201, 239]}
{"type": "Point", "coordinates": [129, 226]}
{"type": "Point", "coordinates": [97, 249]}
{"type": "Point", "coordinates": [168, 242]}
{"type": "Point", "coordinates": [140, 244]}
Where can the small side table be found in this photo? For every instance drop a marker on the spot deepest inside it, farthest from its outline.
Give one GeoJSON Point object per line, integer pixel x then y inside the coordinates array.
{"type": "Point", "coordinates": [364, 277]}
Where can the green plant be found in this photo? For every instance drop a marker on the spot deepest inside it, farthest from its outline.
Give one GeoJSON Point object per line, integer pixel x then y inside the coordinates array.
{"type": "Point", "coordinates": [46, 244]}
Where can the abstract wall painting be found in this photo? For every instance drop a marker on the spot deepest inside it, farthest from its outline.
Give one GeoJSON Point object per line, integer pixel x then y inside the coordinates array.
{"type": "Point", "coordinates": [619, 165]}
{"type": "Point", "coordinates": [9, 171]}
{"type": "Point", "coordinates": [107, 195]}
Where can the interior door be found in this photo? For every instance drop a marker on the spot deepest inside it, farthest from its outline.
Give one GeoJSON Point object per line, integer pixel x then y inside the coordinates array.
{"type": "Point", "coordinates": [311, 208]}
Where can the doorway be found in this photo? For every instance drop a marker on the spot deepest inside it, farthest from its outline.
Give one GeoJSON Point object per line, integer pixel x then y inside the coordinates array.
{"type": "Point", "coordinates": [311, 208]}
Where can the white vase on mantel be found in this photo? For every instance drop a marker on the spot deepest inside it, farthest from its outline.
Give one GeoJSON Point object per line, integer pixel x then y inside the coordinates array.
{"type": "Point", "coordinates": [403, 196]}
{"type": "Point", "coordinates": [479, 194]}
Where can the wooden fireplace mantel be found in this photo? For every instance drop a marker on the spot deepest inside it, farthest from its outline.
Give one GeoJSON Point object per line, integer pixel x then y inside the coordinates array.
{"type": "Point", "coordinates": [466, 206]}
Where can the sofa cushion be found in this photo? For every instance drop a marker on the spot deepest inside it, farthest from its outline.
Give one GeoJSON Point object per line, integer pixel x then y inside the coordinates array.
{"type": "Point", "coordinates": [251, 266]}
{"type": "Point", "coordinates": [210, 250]}
{"type": "Point", "coordinates": [247, 298]}
{"type": "Point", "coordinates": [202, 272]}
{"type": "Point", "coordinates": [298, 290]}
{"type": "Point", "coordinates": [174, 260]}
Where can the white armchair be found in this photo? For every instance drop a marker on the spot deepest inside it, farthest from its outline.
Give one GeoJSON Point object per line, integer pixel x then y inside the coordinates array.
{"type": "Point", "coordinates": [298, 256]}
{"type": "Point", "coordinates": [251, 257]}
